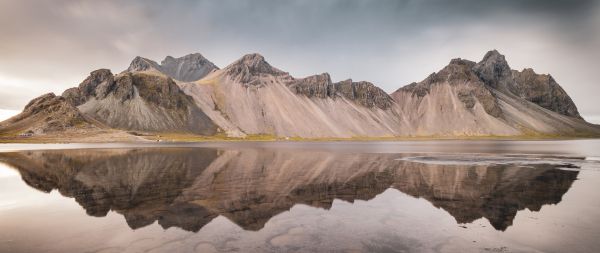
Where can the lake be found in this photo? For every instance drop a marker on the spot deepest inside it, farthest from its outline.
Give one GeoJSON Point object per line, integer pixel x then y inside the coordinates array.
{"type": "Point", "coordinates": [417, 196]}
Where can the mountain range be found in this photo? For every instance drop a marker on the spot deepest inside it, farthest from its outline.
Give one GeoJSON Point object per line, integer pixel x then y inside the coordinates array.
{"type": "Point", "coordinates": [191, 95]}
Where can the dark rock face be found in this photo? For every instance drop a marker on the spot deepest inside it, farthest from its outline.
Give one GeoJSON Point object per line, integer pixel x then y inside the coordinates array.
{"type": "Point", "coordinates": [539, 89]}
{"type": "Point", "coordinates": [320, 86]}
{"type": "Point", "coordinates": [122, 88]}
{"type": "Point", "coordinates": [545, 92]}
{"type": "Point", "coordinates": [188, 68]}
{"type": "Point", "coordinates": [161, 91]}
{"type": "Point", "coordinates": [250, 68]}
{"type": "Point", "coordinates": [314, 86]}
{"type": "Point", "coordinates": [98, 84]}
{"type": "Point", "coordinates": [364, 93]}
{"type": "Point", "coordinates": [494, 71]}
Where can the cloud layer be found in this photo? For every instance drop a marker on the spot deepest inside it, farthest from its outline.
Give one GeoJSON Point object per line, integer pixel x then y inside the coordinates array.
{"type": "Point", "coordinates": [52, 45]}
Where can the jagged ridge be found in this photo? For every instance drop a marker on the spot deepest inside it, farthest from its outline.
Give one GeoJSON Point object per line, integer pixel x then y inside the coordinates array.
{"type": "Point", "coordinates": [250, 96]}
{"type": "Point", "coordinates": [188, 68]}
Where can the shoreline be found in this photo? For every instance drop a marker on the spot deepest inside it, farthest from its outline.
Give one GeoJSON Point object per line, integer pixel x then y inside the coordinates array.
{"type": "Point", "coordinates": [185, 138]}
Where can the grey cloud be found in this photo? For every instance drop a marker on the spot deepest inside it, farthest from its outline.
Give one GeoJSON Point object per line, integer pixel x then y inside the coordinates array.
{"type": "Point", "coordinates": [391, 43]}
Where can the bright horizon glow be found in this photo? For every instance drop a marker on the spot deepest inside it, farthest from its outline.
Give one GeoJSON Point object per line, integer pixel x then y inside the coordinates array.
{"type": "Point", "coordinates": [6, 114]}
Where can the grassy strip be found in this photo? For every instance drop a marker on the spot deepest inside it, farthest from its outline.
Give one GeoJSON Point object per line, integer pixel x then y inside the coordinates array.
{"type": "Point", "coordinates": [183, 137]}
{"type": "Point", "coordinates": [198, 138]}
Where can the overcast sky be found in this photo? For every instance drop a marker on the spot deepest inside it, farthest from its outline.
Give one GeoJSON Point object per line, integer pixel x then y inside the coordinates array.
{"type": "Point", "coordinates": [48, 46]}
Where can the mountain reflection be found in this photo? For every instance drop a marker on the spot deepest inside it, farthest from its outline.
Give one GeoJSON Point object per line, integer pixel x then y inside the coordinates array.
{"type": "Point", "coordinates": [188, 187]}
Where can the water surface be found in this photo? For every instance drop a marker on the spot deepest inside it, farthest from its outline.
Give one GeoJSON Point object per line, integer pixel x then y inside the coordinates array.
{"type": "Point", "coordinates": [438, 196]}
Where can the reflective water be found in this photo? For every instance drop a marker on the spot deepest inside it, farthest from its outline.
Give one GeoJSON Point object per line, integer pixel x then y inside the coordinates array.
{"type": "Point", "coordinates": [449, 196]}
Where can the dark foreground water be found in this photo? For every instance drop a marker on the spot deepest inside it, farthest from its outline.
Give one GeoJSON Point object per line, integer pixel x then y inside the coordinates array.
{"type": "Point", "coordinates": [444, 196]}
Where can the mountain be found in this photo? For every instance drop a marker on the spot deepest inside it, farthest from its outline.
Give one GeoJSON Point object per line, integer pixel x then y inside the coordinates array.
{"type": "Point", "coordinates": [188, 68]}
{"type": "Point", "coordinates": [47, 114]}
{"type": "Point", "coordinates": [488, 98]}
{"type": "Point", "coordinates": [251, 97]}
{"type": "Point", "coordinates": [138, 101]}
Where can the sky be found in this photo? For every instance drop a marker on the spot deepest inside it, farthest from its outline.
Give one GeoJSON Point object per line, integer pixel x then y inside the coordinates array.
{"type": "Point", "coordinates": [48, 46]}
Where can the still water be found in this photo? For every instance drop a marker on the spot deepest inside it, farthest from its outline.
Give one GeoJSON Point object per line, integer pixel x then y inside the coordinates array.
{"type": "Point", "coordinates": [428, 196]}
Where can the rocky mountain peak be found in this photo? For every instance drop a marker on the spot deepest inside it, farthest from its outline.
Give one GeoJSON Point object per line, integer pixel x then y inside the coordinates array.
{"type": "Point", "coordinates": [96, 77]}
{"type": "Point", "coordinates": [250, 66]}
{"type": "Point", "coordinates": [544, 91]}
{"type": "Point", "coordinates": [463, 75]}
{"type": "Point", "coordinates": [255, 63]}
{"type": "Point", "coordinates": [252, 59]}
{"type": "Point", "coordinates": [494, 71]}
{"type": "Point", "coordinates": [196, 58]}
{"type": "Point", "coordinates": [99, 85]}
{"type": "Point", "coordinates": [458, 70]}
{"type": "Point", "coordinates": [96, 84]}
{"type": "Point", "coordinates": [462, 62]}
{"type": "Point", "coordinates": [188, 68]}
{"type": "Point", "coordinates": [49, 113]}
{"type": "Point", "coordinates": [41, 100]}
{"type": "Point", "coordinates": [142, 64]}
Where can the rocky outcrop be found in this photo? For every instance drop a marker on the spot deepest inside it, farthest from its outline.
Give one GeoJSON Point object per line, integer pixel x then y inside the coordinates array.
{"type": "Point", "coordinates": [44, 115]}
{"type": "Point", "coordinates": [98, 85]}
{"type": "Point", "coordinates": [319, 86]}
{"type": "Point", "coordinates": [139, 101]}
{"type": "Point", "coordinates": [494, 71]}
{"type": "Point", "coordinates": [188, 68]}
{"type": "Point", "coordinates": [544, 91]}
{"type": "Point", "coordinates": [364, 93]}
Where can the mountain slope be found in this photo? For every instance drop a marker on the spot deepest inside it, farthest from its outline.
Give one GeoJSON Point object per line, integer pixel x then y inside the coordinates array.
{"type": "Point", "coordinates": [51, 118]}
{"type": "Point", "coordinates": [139, 101]}
{"type": "Point", "coordinates": [251, 97]}
{"type": "Point", "coordinates": [488, 98]}
{"type": "Point", "coordinates": [47, 114]}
